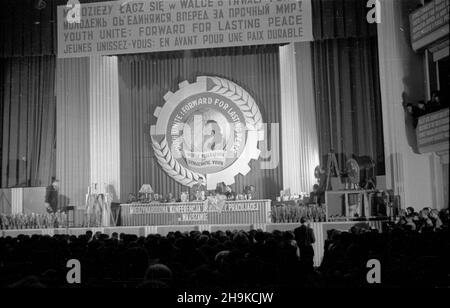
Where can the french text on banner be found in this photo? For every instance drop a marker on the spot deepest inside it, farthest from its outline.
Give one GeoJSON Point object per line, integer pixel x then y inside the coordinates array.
{"type": "Point", "coordinates": [126, 27]}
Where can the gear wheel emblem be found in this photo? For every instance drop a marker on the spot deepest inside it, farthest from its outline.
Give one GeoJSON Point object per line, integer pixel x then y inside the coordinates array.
{"type": "Point", "coordinates": [207, 130]}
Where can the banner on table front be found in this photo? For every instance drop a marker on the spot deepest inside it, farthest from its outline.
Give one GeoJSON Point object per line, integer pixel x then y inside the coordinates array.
{"type": "Point", "coordinates": [137, 26]}
{"type": "Point", "coordinates": [193, 208]}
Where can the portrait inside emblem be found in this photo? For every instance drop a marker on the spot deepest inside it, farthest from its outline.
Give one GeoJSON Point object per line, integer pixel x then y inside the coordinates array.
{"type": "Point", "coordinates": [206, 141]}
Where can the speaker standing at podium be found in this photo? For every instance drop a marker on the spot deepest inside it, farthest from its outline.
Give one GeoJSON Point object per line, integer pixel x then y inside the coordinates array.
{"type": "Point", "coordinates": [51, 197]}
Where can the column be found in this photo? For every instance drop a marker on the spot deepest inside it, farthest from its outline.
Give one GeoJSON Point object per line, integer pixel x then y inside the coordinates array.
{"type": "Point", "coordinates": [402, 80]}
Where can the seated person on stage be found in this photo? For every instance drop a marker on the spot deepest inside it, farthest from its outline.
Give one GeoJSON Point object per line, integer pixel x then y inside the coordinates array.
{"type": "Point", "coordinates": [184, 197]}
{"type": "Point", "coordinates": [155, 199]}
{"type": "Point", "coordinates": [322, 179]}
{"type": "Point", "coordinates": [131, 198]}
{"type": "Point", "coordinates": [170, 198]}
{"type": "Point", "coordinates": [200, 195]}
{"type": "Point", "coordinates": [317, 195]}
{"type": "Point", "coordinates": [220, 189]}
{"type": "Point", "coordinates": [51, 196]}
{"type": "Point", "coordinates": [199, 186]}
{"type": "Point", "coordinates": [229, 193]}
{"type": "Point", "coordinates": [249, 192]}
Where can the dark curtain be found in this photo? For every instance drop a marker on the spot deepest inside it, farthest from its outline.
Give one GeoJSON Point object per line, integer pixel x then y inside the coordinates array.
{"type": "Point", "coordinates": [334, 19]}
{"type": "Point", "coordinates": [146, 78]}
{"type": "Point", "coordinates": [348, 103]}
{"type": "Point", "coordinates": [28, 118]}
{"type": "Point", "coordinates": [28, 27]}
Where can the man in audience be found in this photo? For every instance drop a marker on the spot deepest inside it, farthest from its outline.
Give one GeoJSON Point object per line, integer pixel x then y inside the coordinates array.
{"type": "Point", "coordinates": [409, 211]}
{"type": "Point", "coordinates": [304, 236]}
{"type": "Point", "coordinates": [115, 236]}
{"type": "Point", "coordinates": [434, 216]}
{"type": "Point", "coordinates": [420, 110]}
{"type": "Point", "coordinates": [411, 109]}
{"type": "Point", "coordinates": [159, 273]}
{"type": "Point", "coordinates": [88, 235]}
{"type": "Point", "coordinates": [435, 103]}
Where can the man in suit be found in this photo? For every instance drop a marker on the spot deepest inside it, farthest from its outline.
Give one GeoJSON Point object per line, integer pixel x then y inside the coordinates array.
{"type": "Point", "coordinates": [229, 193]}
{"type": "Point", "coordinates": [198, 188]}
{"type": "Point", "coordinates": [51, 197]}
{"type": "Point", "coordinates": [435, 103]}
{"type": "Point", "coordinates": [304, 237]}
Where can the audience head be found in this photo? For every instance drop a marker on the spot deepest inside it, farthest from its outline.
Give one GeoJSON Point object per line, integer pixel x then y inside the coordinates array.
{"type": "Point", "coordinates": [409, 211]}
{"type": "Point", "coordinates": [409, 108]}
{"type": "Point", "coordinates": [159, 272]}
{"type": "Point", "coordinates": [435, 97]}
{"type": "Point", "coordinates": [424, 212]}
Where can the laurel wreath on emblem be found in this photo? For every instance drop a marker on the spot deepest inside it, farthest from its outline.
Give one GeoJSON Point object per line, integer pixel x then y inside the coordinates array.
{"type": "Point", "coordinates": [241, 98]}
{"type": "Point", "coordinates": [249, 109]}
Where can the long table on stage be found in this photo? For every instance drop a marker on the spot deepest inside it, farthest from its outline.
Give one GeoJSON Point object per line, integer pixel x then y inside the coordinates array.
{"type": "Point", "coordinates": [195, 213]}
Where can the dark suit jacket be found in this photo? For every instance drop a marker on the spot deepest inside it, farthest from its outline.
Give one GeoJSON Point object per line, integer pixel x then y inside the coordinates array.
{"type": "Point", "coordinates": [304, 236]}
{"type": "Point", "coordinates": [51, 197]}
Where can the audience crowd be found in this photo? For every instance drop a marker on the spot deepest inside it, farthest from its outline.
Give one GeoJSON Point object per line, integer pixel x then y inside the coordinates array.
{"type": "Point", "coordinates": [413, 251]}
{"type": "Point", "coordinates": [421, 108]}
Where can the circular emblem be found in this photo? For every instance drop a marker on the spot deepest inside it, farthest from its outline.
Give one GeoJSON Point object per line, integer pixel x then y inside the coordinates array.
{"type": "Point", "coordinates": [208, 129]}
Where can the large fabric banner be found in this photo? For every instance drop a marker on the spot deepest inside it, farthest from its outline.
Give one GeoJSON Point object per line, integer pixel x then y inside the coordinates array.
{"type": "Point", "coordinates": [138, 26]}
{"type": "Point", "coordinates": [196, 212]}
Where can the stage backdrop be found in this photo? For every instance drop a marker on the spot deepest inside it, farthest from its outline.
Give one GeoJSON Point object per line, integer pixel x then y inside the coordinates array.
{"type": "Point", "coordinates": [145, 79]}
{"type": "Point", "coordinates": [347, 95]}
{"type": "Point", "coordinates": [27, 121]}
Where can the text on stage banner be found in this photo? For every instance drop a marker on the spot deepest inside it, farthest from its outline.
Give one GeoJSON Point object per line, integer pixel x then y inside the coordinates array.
{"type": "Point", "coordinates": [126, 27]}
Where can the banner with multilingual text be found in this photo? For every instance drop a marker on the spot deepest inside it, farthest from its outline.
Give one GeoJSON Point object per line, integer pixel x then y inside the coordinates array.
{"type": "Point", "coordinates": [138, 26]}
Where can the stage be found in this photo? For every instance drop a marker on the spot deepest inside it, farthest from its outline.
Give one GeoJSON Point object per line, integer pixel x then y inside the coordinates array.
{"type": "Point", "coordinates": [320, 230]}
